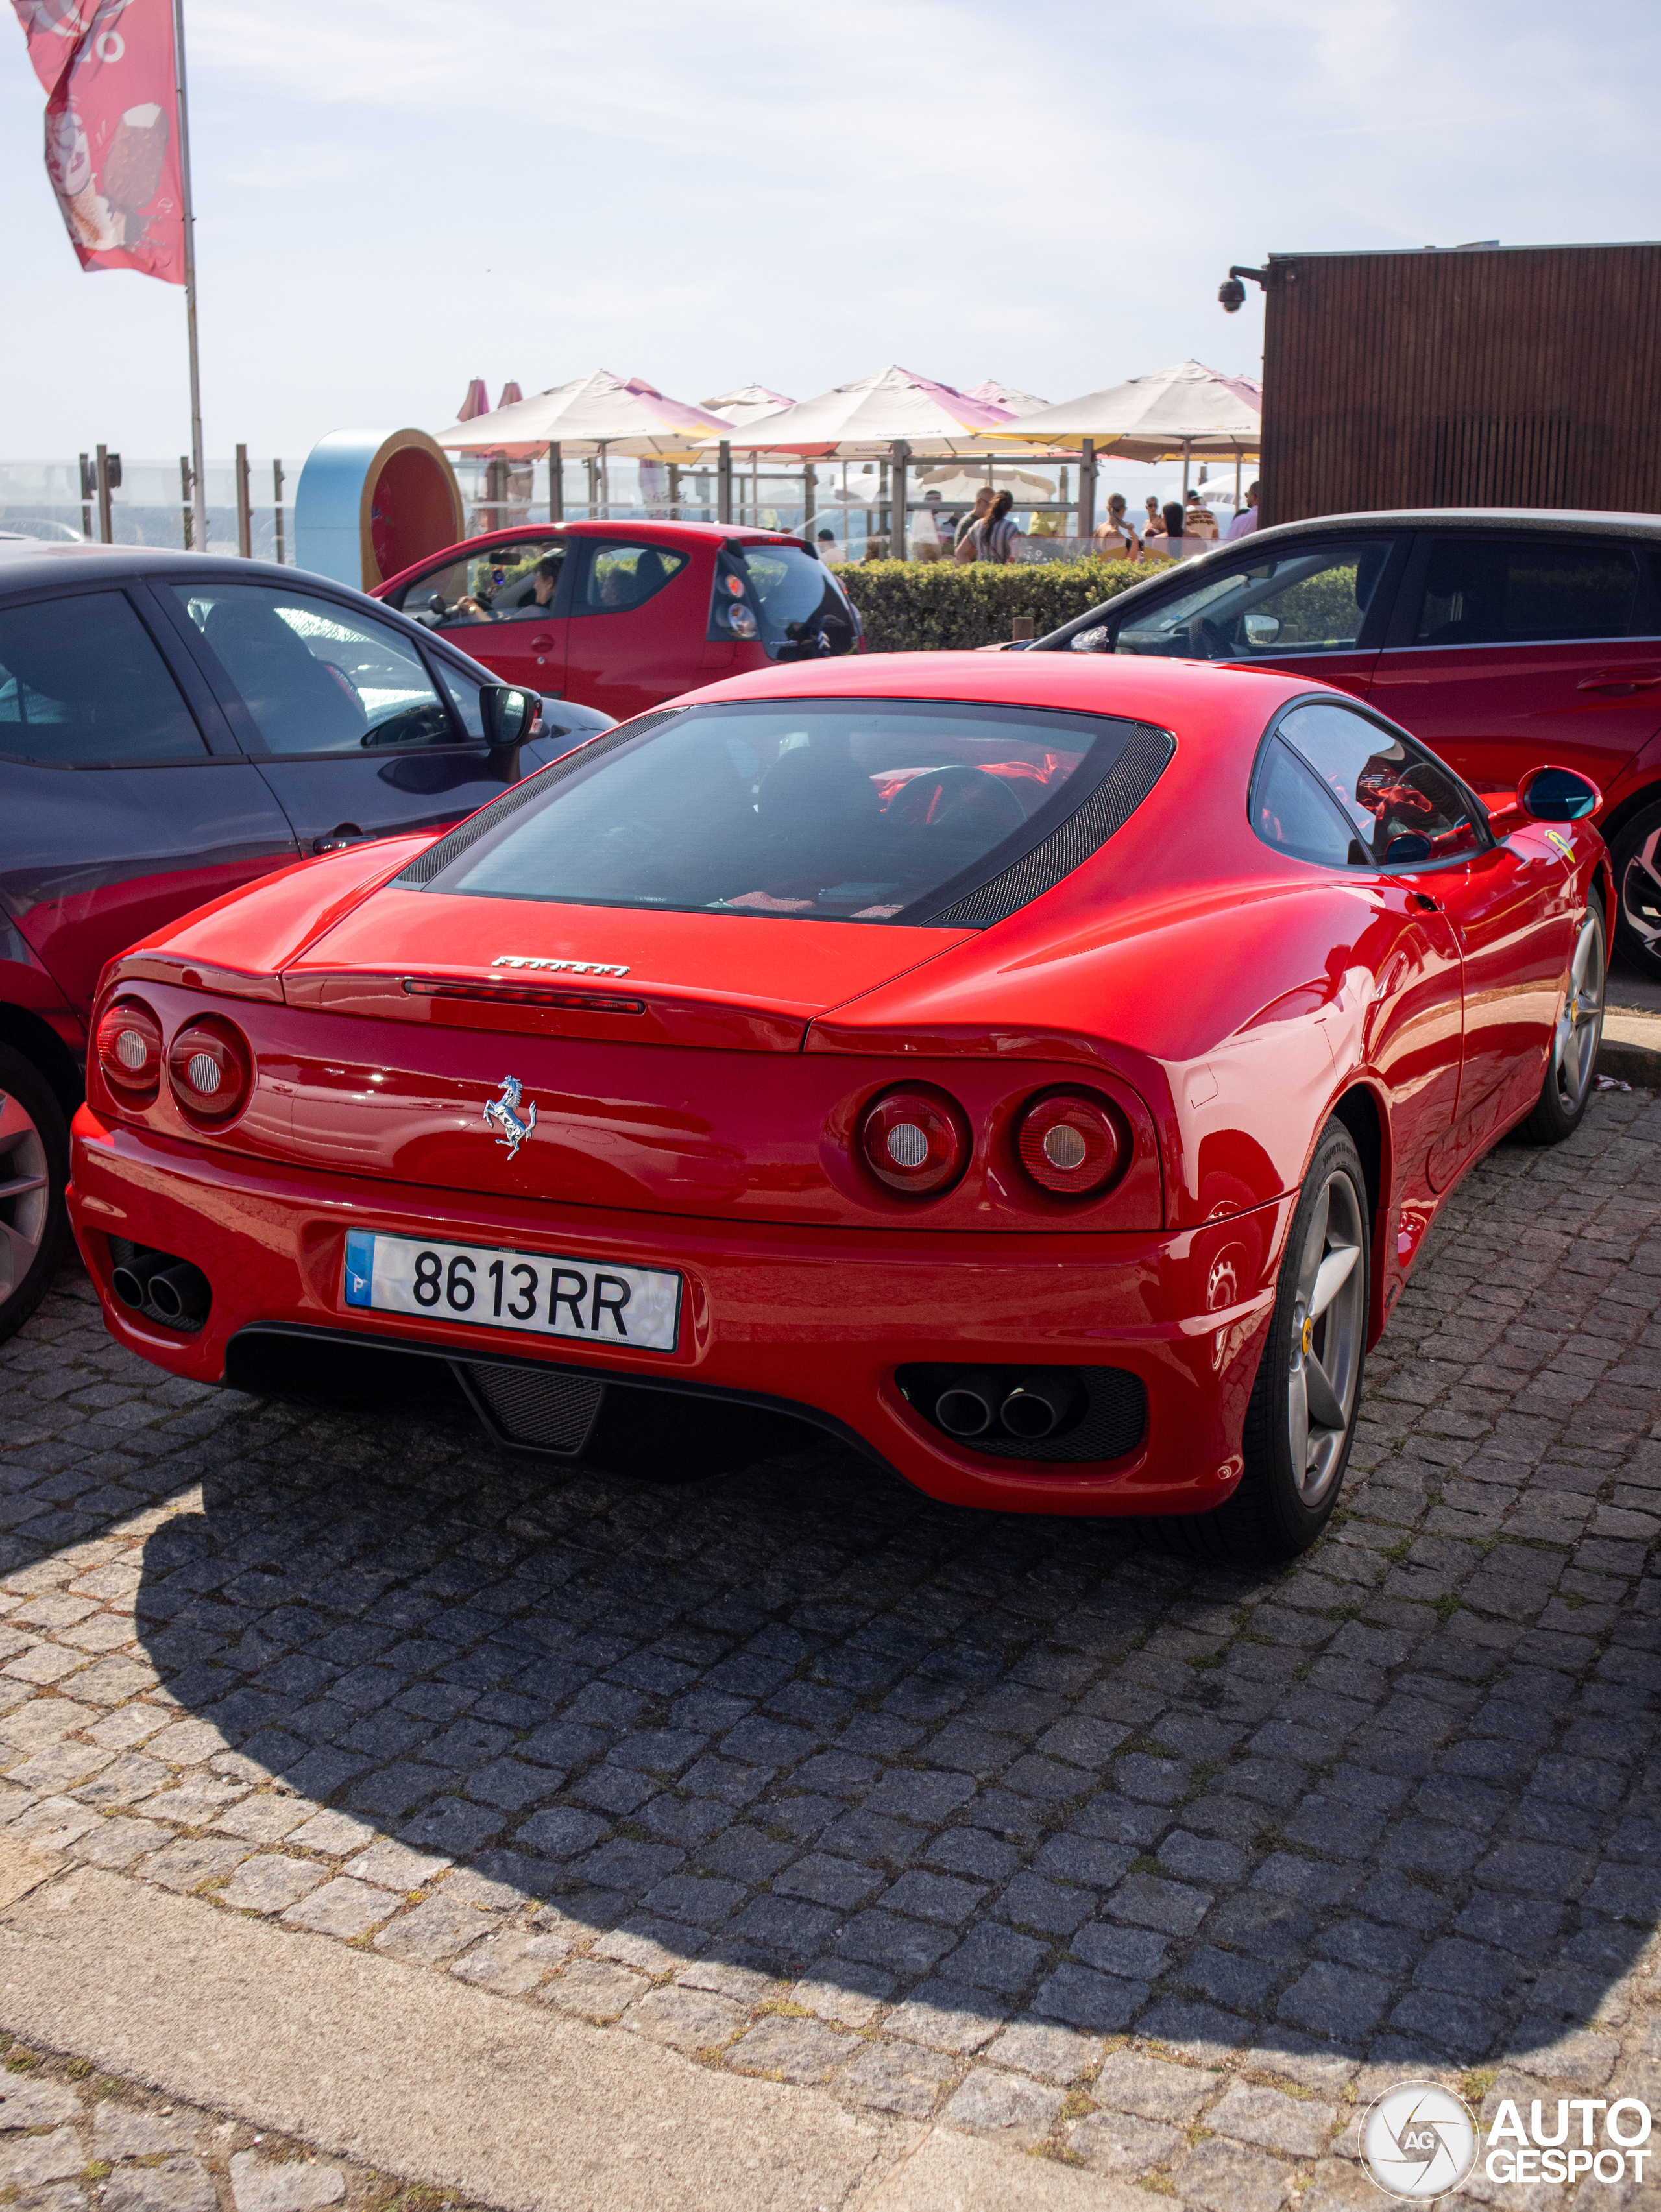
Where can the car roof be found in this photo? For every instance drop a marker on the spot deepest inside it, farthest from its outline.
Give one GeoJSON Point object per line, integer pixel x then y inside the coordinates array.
{"type": "Point", "coordinates": [1193, 696]}
{"type": "Point", "coordinates": [1586, 521]}
{"type": "Point", "coordinates": [653, 531]}
{"type": "Point", "coordinates": [27, 563]}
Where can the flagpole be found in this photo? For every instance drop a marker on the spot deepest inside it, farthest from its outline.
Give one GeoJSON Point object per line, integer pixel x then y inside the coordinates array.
{"type": "Point", "coordinates": [199, 490]}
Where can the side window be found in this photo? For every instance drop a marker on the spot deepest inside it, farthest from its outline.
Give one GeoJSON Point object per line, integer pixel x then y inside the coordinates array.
{"type": "Point", "coordinates": [1307, 599]}
{"type": "Point", "coordinates": [464, 692]}
{"type": "Point", "coordinates": [1498, 591]}
{"type": "Point", "coordinates": [83, 685]}
{"type": "Point", "coordinates": [505, 583]}
{"type": "Point", "coordinates": [1401, 803]}
{"type": "Point", "coordinates": [315, 677]}
{"type": "Point", "coordinates": [623, 577]}
{"type": "Point", "coordinates": [1291, 811]}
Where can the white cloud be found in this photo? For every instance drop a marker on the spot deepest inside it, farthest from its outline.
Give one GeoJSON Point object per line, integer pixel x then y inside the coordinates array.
{"type": "Point", "coordinates": [396, 195]}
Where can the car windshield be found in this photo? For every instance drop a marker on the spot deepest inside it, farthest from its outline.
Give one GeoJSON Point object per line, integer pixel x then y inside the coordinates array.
{"type": "Point", "coordinates": [1311, 599]}
{"type": "Point", "coordinates": [868, 811]}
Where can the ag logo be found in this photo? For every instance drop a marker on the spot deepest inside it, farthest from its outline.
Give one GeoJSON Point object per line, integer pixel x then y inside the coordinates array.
{"type": "Point", "coordinates": [1419, 2140]}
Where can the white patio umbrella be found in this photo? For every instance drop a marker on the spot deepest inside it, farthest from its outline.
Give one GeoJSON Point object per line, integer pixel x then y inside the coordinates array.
{"type": "Point", "coordinates": [624, 415]}
{"type": "Point", "coordinates": [746, 406]}
{"type": "Point", "coordinates": [893, 415]}
{"type": "Point", "coordinates": [1005, 395]}
{"type": "Point", "coordinates": [1171, 415]}
{"type": "Point", "coordinates": [864, 420]}
{"type": "Point", "coordinates": [1154, 418]}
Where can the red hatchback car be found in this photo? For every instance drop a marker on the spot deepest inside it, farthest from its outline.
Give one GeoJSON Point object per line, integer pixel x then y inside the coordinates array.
{"type": "Point", "coordinates": [1039, 1071]}
{"type": "Point", "coordinates": [622, 616]}
{"type": "Point", "coordinates": [1502, 637]}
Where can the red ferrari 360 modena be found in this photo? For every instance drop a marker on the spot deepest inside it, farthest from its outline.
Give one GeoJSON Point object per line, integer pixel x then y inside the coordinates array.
{"type": "Point", "coordinates": [1039, 1070]}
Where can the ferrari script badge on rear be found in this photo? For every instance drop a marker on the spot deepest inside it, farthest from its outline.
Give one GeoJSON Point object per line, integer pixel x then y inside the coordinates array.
{"type": "Point", "coordinates": [561, 967]}
{"type": "Point", "coordinates": [502, 1115]}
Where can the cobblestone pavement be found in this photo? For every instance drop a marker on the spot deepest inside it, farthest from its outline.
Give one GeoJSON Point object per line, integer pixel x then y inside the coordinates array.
{"type": "Point", "coordinates": [71, 2137]}
{"type": "Point", "coordinates": [1020, 1824]}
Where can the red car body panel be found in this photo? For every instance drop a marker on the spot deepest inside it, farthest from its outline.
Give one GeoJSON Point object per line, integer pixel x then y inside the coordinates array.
{"type": "Point", "coordinates": [623, 662]}
{"type": "Point", "coordinates": [1495, 712]}
{"type": "Point", "coordinates": [1492, 712]}
{"type": "Point", "coordinates": [1222, 996]}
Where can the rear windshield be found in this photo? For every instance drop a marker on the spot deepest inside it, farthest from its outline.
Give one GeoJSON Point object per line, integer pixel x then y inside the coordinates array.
{"type": "Point", "coordinates": [872, 810]}
{"type": "Point", "coordinates": [800, 609]}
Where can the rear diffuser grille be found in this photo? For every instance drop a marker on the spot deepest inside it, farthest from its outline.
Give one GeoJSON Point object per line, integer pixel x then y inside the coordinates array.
{"type": "Point", "coordinates": [549, 1410]}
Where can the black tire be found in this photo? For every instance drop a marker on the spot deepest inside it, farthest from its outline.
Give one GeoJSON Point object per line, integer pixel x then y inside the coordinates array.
{"type": "Point", "coordinates": [1635, 859]}
{"type": "Point", "coordinates": [35, 1153]}
{"type": "Point", "coordinates": [1272, 1514]}
{"type": "Point", "coordinates": [1572, 1066]}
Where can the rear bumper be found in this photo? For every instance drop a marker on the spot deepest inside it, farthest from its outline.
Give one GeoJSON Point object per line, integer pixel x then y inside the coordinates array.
{"type": "Point", "coordinates": [817, 1320]}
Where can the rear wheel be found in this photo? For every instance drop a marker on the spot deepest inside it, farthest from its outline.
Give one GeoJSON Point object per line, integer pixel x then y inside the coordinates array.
{"type": "Point", "coordinates": [1574, 1041]}
{"type": "Point", "coordinates": [1635, 858]}
{"type": "Point", "coordinates": [34, 1159]}
{"type": "Point", "coordinates": [1301, 1420]}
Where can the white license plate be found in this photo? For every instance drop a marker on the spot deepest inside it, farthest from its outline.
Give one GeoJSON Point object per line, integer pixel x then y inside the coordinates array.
{"type": "Point", "coordinates": [590, 1301]}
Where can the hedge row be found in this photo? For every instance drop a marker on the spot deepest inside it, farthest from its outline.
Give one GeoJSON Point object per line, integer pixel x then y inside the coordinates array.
{"type": "Point", "coordinates": [929, 606]}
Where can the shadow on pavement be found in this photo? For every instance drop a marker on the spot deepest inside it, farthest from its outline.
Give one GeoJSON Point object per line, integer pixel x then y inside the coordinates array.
{"type": "Point", "coordinates": [799, 1720]}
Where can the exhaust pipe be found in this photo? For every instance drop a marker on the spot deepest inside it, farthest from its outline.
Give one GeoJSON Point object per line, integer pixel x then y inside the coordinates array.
{"type": "Point", "coordinates": [1037, 1405]}
{"type": "Point", "coordinates": [180, 1292]}
{"type": "Point", "coordinates": [968, 1405]}
{"type": "Point", "coordinates": [130, 1281]}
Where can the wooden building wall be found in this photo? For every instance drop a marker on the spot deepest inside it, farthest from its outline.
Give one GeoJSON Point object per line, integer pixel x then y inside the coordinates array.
{"type": "Point", "coordinates": [1525, 376]}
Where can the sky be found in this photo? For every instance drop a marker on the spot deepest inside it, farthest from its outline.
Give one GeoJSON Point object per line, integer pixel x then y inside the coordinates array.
{"type": "Point", "coordinates": [396, 195]}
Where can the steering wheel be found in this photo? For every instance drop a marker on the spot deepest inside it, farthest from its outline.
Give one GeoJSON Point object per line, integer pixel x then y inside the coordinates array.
{"type": "Point", "coordinates": [940, 795]}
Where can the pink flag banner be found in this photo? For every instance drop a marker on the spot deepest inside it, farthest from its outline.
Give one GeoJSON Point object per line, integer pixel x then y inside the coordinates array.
{"type": "Point", "coordinates": [112, 129]}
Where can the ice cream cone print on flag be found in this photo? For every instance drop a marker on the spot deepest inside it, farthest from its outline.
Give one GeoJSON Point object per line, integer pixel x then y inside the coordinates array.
{"type": "Point", "coordinates": [111, 135]}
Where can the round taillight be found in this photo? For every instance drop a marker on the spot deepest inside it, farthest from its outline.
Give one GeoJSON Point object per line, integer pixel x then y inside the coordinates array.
{"type": "Point", "coordinates": [209, 1069]}
{"type": "Point", "coordinates": [914, 1142]}
{"type": "Point", "coordinates": [130, 1052]}
{"type": "Point", "coordinates": [1070, 1146]}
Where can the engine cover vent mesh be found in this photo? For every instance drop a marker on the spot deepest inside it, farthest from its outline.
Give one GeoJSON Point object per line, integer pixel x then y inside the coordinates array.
{"type": "Point", "coordinates": [1108, 808]}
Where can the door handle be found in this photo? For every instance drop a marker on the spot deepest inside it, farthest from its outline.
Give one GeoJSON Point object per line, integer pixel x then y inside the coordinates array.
{"type": "Point", "coordinates": [1620, 682]}
{"type": "Point", "coordinates": [1424, 902]}
{"type": "Point", "coordinates": [343, 833]}
{"type": "Point", "coordinates": [541, 644]}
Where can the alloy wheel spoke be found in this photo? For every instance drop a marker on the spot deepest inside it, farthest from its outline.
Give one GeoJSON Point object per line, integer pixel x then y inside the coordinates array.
{"type": "Point", "coordinates": [1314, 1248]}
{"type": "Point", "coordinates": [14, 1121]}
{"type": "Point", "coordinates": [1324, 1409]}
{"type": "Point", "coordinates": [20, 1185]}
{"type": "Point", "coordinates": [1297, 1423]}
{"type": "Point", "coordinates": [17, 1258]}
{"type": "Point", "coordinates": [1330, 1278]}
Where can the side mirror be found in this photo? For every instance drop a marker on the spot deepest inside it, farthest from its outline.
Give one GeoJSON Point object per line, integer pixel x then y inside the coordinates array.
{"type": "Point", "coordinates": [1261, 629]}
{"type": "Point", "coordinates": [1094, 640]}
{"type": "Point", "coordinates": [1409, 846]}
{"type": "Point", "coordinates": [508, 714]}
{"type": "Point", "coordinates": [1558, 794]}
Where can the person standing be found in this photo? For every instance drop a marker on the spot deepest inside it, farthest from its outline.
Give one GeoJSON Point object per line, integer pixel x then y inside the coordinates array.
{"type": "Point", "coordinates": [1173, 543]}
{"type": "Point", "coordinates": [960, 543]}
{"type": "Point", "coordinates": [993, 537]}
{"type": "Point", "coordinates": [1115, 537]}
{"type": "Point", "coordinates": [923, 537]}
{"type": "Point", "coordinates": [1246, 520]}
{"type": "Point", "coordinates": [1154, 527]}
{"type": "Point", "coordinates": [1199, 521]}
